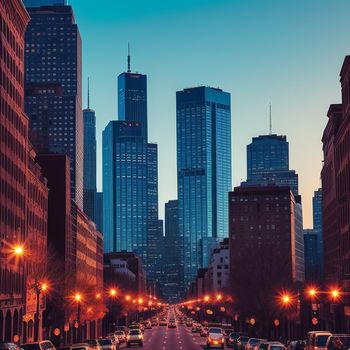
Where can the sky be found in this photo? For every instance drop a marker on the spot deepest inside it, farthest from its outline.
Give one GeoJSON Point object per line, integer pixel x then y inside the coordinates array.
{"type": "Point", "coordinates": [287, 52]}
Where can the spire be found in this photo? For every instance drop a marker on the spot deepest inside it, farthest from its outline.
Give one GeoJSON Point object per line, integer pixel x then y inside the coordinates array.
{"type": "Point", "coordinates": [88, 94]}
{"type": "Point", "coordinates": [270, 130]}
{"type": "Point", "coordinates": [129, 70]}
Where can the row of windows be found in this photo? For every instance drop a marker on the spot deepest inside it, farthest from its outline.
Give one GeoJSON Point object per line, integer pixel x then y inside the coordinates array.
{"type": "Point", "coordinates": [11, 193]}
{"type": "Point", "coordinates": [8, 86]}
{"type": "Point", "coordinates": [9, 218]}
{"type": "Point", "coordinates": [10, 282]}
{"type": "Point", "coordinates": [12, 116]}
{"type": "Point", "coordinates": [12, 169]}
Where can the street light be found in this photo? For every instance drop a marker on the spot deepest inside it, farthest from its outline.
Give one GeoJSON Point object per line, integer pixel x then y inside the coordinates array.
{"type": "Point", "coordinates": [218, 297]}
{"type": "Point", "coordinates": [18, 250]}
{"type": "Point", "coordinates": [78, 299]}
{"type": "Point", "coordinates": [206, 298]}
{"type": "Point", "coordinates": [113, 292]}
{"type": "Point", "coordinates": [38, 288]}
{"type": "Point", "coordinates": [335, 294]}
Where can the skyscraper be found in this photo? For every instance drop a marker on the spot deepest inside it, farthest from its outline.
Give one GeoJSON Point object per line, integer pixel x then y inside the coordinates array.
{"type": "Point", "coordinates": [53, 87]}
{"type": "Point", "coordinates": [125, 188]}
{"type": "Point", "coordinates": [89, 184]}
{"type": "Point", "coordinates": [203, 171]}
{"type": "Point", "coordinates": [268, 163]}
{"type": "Point", "coordinates": [132, 97]}
{"type": "Point", "coordinates": [38, 3]}
{"type": "Point", "coordinates": [173, 266]}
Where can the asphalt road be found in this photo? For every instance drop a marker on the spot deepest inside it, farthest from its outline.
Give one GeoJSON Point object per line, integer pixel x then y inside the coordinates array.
{"type": "Point", "coordinates": [164, 338]}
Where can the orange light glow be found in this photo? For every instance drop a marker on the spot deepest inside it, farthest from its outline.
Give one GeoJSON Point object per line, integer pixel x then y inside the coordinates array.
{"type": "Point", "coordinates": [18, 250]}
{"type": "Point", "coordinates": [206, 298]}
{"type": "Point", "coordinates": [113, 292]}
{"type": "Point", "coordinates": [98, 296]}
{"type": "Point", "coordinates": [335, 293]}
{"type": "Point", "coordinates": [127, 297]}
{"type": "Point", "coordinates": [77, 297]}
{"type": "Point", "coordinates": [219, 297]}
{"type": "Point", "coordinates": [44, 287]}
{"type": "Point", "coordinates": [286, 299]}
{"type": "Point", "coordinates": [140, 300]}
{"type": "Point", "coordinates": [312, 292]}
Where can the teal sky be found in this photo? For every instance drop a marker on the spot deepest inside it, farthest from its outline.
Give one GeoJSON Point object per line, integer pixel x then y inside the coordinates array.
{"type": "Point", "coordinates": [287, 52]}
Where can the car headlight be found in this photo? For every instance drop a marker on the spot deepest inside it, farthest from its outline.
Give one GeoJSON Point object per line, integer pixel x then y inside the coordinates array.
{"type": "Point", "coordinates": [140, 336]}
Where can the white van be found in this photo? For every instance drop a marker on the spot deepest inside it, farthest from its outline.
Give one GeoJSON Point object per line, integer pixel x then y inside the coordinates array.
{"type": "Point", "coordinates": [317, 340]}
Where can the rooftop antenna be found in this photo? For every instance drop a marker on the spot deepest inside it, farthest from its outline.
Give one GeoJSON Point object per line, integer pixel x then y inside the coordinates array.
{"type": "Point", "coordinates": [129, 70]}
{"type": "Point", "coordinates": [88, 94]}
{"type": "Point", "coordinates": [270, 131]}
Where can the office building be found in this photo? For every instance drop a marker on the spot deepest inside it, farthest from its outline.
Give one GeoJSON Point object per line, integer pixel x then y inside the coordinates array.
{"type": "Point", "coordinates": [99, 211]}
{"type": "Point", "coordinates": [268, 163]}
{"type": "Point", "coordinates": [266, 238]}
{"type": "Point", "coordinates": [317, 220]}
{"type": "Point", "coordinates": [89, 177]}
{"type": "Point", "coordinates": [125, 217]}
{"type": "Point", "coordinates": [203, 171]}
{"type": "Point", "coordinates": [173, 266]}
{"type": "Point", "coordinates": [53, 87]}
{"type": "Point", "coordinates": [311, 256]}
{"type": "Point", "coordinates": [38, 3]}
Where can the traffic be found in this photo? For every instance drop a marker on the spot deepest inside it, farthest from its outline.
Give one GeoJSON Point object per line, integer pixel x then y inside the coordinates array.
{"type": "Point", "coordinates": [171, 329]}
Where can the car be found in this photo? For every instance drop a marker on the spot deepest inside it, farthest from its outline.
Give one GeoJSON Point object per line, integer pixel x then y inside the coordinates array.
{"type": "Point", "coordinates": [227, 332]}
{"type": "Point", "coordinates": [241, 342]}
{"type": "Point", "coordinates": [189, 323]}
{"type": "Point", "coordinates": [231, 340]}
{"type": "Point", "coordinates": [78, 346]}
{"type": "Point", "coordinates": [297, 345]}
{"type": "Point", "coordinates": [39, 345]}
{"type": "Point", "coordinates": [172, 324]}
{"type": "Point", "coordinates": [121, 335]}
{"type": "Point", "coordinates": [271, 345]}
{"type": "Point", "coordinates": [196, 328]}
{"type": "Point", "coordinates": [316, 340]}
{"type": "Point", "coordinates": [135, 336]}
{"type": "Point", "coordinates": [93, 343]}
{"type": "Point", "coordinates": [338, 342]}
{"type": "Point", "coordinates": [253, 343]}
{"type": "Point", "coordinates": [108, 343]}
{"type": "Point", "coordinates": [148, 325]}
{"type": "Point", "coordinates": [215, 338]}
{"type": "Point", "coordinates": [8, 346]}
{"type": "Point", "coordinates": [154, 323]}
{"type": "Point", "coordinates": [163, 322]}
{"type": "Point", "coordinates": [204, 331]}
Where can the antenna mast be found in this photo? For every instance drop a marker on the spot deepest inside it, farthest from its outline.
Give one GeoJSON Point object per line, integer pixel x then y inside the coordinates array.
{"type": "Point", "coordinates": [270, 130]}
{"type": "Point", "coordinates": [129, 70]}
{"type": "Point", "coordinates": [88, 94]}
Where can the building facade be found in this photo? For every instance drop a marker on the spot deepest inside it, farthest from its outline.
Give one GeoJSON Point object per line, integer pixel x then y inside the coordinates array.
{"type": "Point", "coordinates": [219, 271]}
{"type": "Point", "coordinates": [89, 178]}
{"type": "Point", "coordinates": [265, 222]}
{"type": "Point", "coordinates": [53, 87]}
{"type": "Point", "coordinates": [173, 267]}
{"type": "Point", "coordinates": [268, 163]}
{"type": "Point", "coordinates": [317, 219]}
{"type": "Point", "coordinates": [311, 256]}
{"type": "Point", "coordinates": [203, 118]}
{"type": "Point", "coordinates": [99, 211]}
{"type": "Point", "coordinates": [16, 176]}
{"type": "Point", "coordinates": [125, 216]}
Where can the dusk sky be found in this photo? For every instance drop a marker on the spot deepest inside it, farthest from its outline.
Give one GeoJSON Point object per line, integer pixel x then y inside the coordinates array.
{"type": "Point", "coordinates": [287, 52]}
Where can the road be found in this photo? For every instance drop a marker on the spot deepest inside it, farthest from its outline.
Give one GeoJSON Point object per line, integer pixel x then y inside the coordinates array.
{"type": "Point", "coordinates": [164, 338]}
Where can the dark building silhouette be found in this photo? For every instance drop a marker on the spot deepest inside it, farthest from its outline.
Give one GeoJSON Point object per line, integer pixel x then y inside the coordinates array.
{"type": "Point", "coordinates": [311, 243]}
{"type": "Point", "coordinates": [53, 87]}
{"type": "Point", "coordinates": [89, 179]}
{"type": "Point", "coordinates": [317, 220]}
{"type": "Point", "coordinates": [203, 119]}
{"type": "Point", "coordinates": [336, 192]}
{"type": "Point", "coordinates": [268, 163]}
{"type": "Point", "coordinates": [173, 266]}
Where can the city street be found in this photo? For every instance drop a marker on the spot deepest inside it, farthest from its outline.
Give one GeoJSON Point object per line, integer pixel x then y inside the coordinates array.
{"type": "Point", "coordinates": [163, 338]}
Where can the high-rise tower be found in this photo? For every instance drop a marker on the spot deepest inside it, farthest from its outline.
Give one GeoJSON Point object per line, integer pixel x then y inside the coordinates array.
{"type": "Point", "coordinates": [89, 159]}
{"type": "Point", "coordinates": [53, 87]}
{"type": "Point", "coordinates": [203, 172]}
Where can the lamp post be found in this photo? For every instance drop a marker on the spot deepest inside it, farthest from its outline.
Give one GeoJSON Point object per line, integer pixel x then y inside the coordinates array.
{"type": "Point", "coordinates": [78, 298]}
{"type": "Point", "coordinates": [38, 288]}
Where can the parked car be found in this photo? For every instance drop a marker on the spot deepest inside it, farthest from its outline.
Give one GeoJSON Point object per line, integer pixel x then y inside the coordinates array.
{"type": "Point", "coordinates": [338, 342]}
{"type": "Point", "coordinates": [316, 340]}
{"type": "Point", "coordinates": [189, 323]}
{"type": "Point", "coordinates": [242, 341]}
{"type": "Point", "coordinates": [253, 343]}
{"type": "Point", "coordinates": [121, 335]}
{"type": "Point", "coordinates": [39, 345]}
{"type": "Point", "coordinates": [172, 323]}
{"type": "Point", "coordinates": [215, 338]}
{"type": "Point", "coordinates": [297, 345]}
{"type": "Point", "coordinates": [135, 336]}
{"type": "Point", "coordinates": [94, 344]}
{"type": "Point", "coordinates": [196, 327]}
{"type": "Point", "coordinates": [231, 340]}
{"type": "Point", "coordinates": [108, 343]}
{"type": "Point", "coordinates": [163, 322]}
{"type": "Point", "coordinates": [9, 346]}
{"type": "Point", "coordinates": [271, 345]}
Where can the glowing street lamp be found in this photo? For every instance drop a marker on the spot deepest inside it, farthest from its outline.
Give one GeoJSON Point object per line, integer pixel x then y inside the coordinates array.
{"type": "Point", "coordinates": [335, 294]}
{"type": "Point", "coordinates": [312, 292]}
{"type": "Point", "coordinates": [78, 298]}
{"type": "Point", "coordinates": [113, 292]}
{"type": "Point", "coordinates": [140, 301]}
{"type": "Point", "coordinates": [98, 296]}
{"type": "Point", "coordinates": [219, 297]}
{"type": "Point", "coordinates": [206, 298]}
{"type": "Point", "coordinates": [127, 298]}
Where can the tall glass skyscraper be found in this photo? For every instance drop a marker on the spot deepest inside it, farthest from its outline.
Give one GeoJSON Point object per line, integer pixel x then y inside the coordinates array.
{"type": "Point", "coordinates": [125, 188]}
{"type": "Point", "coordinates": [268, 163]}
{"type": "Point", "coordinates": [318, 230]}
{"type": "Point", "coordinates": [203, 171]}
{"type": "Point", "coordinates": [89, 184]}
{"type": "Point", "coordinates": [132, 99]}
{"type": "Point", "coordinates": [53, 87]}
